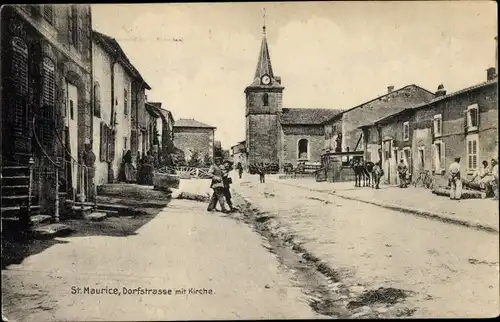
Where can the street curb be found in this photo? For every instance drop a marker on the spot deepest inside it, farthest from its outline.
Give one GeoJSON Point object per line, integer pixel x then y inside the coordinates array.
{"type": "Point", "coordinates": [408, 210]}
{"type": "Point", "coordinates": [425, 214]}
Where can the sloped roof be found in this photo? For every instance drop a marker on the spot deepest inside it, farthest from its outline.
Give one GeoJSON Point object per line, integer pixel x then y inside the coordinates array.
{"type": "Point", "coordinates": [113, 48]}
{"type": "Point", "coordinates": [264, 66]}
{"type": "Point", "coordinates": [381, 96]}
{"type": "Point", "coordinates": [192, 123]}
{"type": "Point", "coordinates": [437, 99]}
{"type": "Point", "coordinates": [306, 116]}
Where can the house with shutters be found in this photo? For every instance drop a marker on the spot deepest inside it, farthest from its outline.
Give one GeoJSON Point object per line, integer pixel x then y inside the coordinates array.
{"type": "Point", "coordinates": [160, 128]}
{"type": "Point", "coordinates": [119, 107]}
{"type": "Point", "coordinates": [430, 135]}
{"type": "Point", "coordinates": [46, 107]}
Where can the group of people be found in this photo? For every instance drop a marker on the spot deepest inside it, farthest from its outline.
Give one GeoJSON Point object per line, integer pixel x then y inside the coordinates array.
{"type": "Point", "coordinates": [145, 168]}
{"type": "Point", "coordinates": [221, 185]}
{"type": "Point", "coordinates": [485, 179]}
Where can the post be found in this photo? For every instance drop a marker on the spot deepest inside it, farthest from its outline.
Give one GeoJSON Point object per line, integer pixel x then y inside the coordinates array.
{"type": "Point", "coordinates": [56, 210]}
{"type": "Point", "coordinates": [82, 187]}
{"type": "Point", "coordinates": [31, 162]}
{"type": "Point", "coordinates": [73, 188]}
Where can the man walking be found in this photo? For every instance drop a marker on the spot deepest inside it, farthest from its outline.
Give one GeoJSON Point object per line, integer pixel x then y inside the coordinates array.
{"type": "Point", "coordinates": [217, 185]}
{"type": "Point", "coordinates": [402, 171]}
{"type": "Point", "coordinates": [377, 173]}
{"type": "Point", "coordinates": [227, 181]}
{"type": "Point", "coordinates": [262, 173]}
{"type": "Point", "coordinates": [455, 180]}
{"type": "Point", "coordinates": [240, 169]}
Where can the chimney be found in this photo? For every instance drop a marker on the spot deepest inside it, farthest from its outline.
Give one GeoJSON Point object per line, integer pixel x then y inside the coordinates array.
{"type": "Point", "coordinates": [440, 91]}
{"type": "Point", "coordinates": [390, 89]}
{"type": "Point", "coordinates": [491, 73]}
{"type": "Point", "coordinates": [278, 79]}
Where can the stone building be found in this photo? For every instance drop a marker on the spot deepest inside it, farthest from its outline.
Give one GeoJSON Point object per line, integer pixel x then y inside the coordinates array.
{"type": "Point", "coordinates": [119, 92]}
{"type": "Point", "coordinates": [430, 135]}
{"type": "Point", "coordinates": [342, 132]}
{"type": "Point", "coordinates": [161, 124]}
{"type": "Point", "coordinates": [46, 106]}
{"type": "Point", "coordinates": [239, 154]}
{"type": "Point", "coordinates": [191, 135]}
{"type": "Point", "coordinates": [277, 135]}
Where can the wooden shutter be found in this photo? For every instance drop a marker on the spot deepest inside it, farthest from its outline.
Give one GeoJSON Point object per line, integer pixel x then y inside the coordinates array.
{"type": "Point", "coordinates": [48, 13]}
{"type": "Point", "coordinates": [97, 100]}
{"type": "Point", "coordinates": [71, 24]}
{"type": "Point", "coordinates": [474, 154]}
{"type": "Point", "coordinates": [477, 116]}
{"type": "Point", "coordinates": [79, 34]}
{"type": "Point", "coordinates": [466, 117]}
{"type": "Point", "coordinates": [443, 157]}
{"type": "Point", "coordinates": [433, 157]}
{"type": "Point", "coordinates": [102, 142]}
{"type": "Point", "coordinates": [20, 81]}
{"type": "Point", "coordinates": [433, 129]}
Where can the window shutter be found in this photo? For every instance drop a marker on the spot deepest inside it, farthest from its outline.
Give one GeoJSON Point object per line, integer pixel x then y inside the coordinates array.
{"type": "Point", "coordinates": [71, 24]}
{"type": "Point", "coordinates": [443, 157]}
{"type": "Point", "coordinates": [474, 154]}
{"type": "Point", "coordinates": [433, 156]}
{"type": "Point", "coordinates": [466, 118]}
{"type": "Point", "coordinates": [477, 116]}
{"type": "Point", "coordinates": [79, 35]}
{"type": "Point", "coordinates": [433, 129]}
{"type": "Point", "coordinates": [48, 12]}
{"type": "Point", "coordinates": [19, 83]}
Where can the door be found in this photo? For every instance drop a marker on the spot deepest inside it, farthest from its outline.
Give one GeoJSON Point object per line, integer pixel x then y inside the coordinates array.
{"type": "Point", "coordinates": [72, 130]}
{"type": "Point", "coordinates": [387, 161]}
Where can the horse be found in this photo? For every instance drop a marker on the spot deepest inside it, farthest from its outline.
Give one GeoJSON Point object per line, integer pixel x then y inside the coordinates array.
{"type": "Point", "coordinates": [362, 172]}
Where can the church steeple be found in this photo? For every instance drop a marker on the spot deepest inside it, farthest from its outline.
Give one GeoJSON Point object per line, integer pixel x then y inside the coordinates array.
{"type": "Point", "coordinates": [264, 66]}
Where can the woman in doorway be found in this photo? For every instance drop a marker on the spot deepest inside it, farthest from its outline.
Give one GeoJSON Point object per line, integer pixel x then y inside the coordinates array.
{"type": "Point", "coordinates": [128, 167]}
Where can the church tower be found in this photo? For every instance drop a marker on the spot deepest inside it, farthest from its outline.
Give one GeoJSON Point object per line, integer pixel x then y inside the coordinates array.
{"type": "Point", "coordinates": [264, 97]}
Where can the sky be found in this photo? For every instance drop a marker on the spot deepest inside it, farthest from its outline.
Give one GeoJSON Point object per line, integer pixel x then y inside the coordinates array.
{"type": "Point", "coordinates": [198, 58]}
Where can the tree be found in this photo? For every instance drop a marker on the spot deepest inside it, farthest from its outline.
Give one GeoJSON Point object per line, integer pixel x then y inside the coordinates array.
{"type": "Point", "coordinates": [207, 160]}
{"type": "Point", "coordinates": [194, 160]}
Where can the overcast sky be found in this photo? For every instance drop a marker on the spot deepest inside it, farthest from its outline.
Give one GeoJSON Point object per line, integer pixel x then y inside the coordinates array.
{"type": "Point", "coordinates": [329, 54]}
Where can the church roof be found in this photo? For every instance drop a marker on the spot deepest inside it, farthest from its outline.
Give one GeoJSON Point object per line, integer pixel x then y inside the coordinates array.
{"type": "Point", "coordinates": [264, 66]}
{"type": "Point", "coordinates": [192, 123]}
{"type": "Point", "coordinates": [306, 116]}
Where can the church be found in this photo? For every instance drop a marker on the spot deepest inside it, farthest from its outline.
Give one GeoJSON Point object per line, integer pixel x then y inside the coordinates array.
{"type": "Point", "coordinates": [274, 134]}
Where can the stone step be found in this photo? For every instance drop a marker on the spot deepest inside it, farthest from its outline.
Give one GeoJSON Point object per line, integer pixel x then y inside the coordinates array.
{"type": "Point", "coordinates": [40, 219]}
{"type": "Point", "coordinates": [51, 230]}
{"type": "Point", "coordinates": [96, 216]}
{"type": "Point", "coordinates": [13, 209]}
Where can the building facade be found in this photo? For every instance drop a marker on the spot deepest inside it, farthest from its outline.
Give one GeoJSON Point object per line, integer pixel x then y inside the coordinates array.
{"type": "Point", "coordinates": [46, 103]}
{"type": "Point", "coordinates": [161, 130]}
{"type": "Point", "coordinates": [342, 132]}
{"type": "Point", "coordinates": [192, 136]}
{"type": "Point", "coordinates": [429, 136]}
{"type": "Point", "coordinates": [239, 154]}
{"type": "Point", "coordinates": [118, 92]}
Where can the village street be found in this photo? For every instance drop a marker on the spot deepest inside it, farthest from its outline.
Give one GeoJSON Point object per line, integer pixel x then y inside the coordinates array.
{"type": "Point", "coordinates": [452, 270]}
{"type": "Point", "coordinates": [183, 247]}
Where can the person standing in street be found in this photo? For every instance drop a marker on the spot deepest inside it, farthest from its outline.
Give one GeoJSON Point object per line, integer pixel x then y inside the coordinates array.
{"type": "Point", "coordinates": [494, 172]}
{"type": "Point", "coordinates": [240, 169]}
{"type": "Point", "coordinates": [402, 171]}
{"type": "Point", "coordinates": [262, 173]}
{"type": "Point", "coordinates": [227, 181]}
{"type": "Point", "coordinates": [455, 180]}
{"type": "Point", "coordinates": [377, 173]}
{"type": "Point", "coordinates": [217, 185]}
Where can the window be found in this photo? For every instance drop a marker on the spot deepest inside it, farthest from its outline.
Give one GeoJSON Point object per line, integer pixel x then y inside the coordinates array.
{"type": "Point", "coordinates": [438, 125]}
{"type": "Point", "coordinates": [472, 149]}
{"type": "Point", "coordinates": [438, 156]}
{"type": "Point", "coordinates": [125, 102]}
{"type": "Point", "coordinates": [472, 117]}
{"type": "Point", "coordinates": [48, 13]}
{"type": "Point", "coordinates": [421, 158]}
{"type": "Point", "coordinates": [73, 25]}
{"type": "Point", "coordinates": [97, 100]}
{"type": "Point", "coordinates": [406, 131]}
{"type": "Point", "coordinates": [71, 110]}
{"type": "Point", "coordinates": [303, 146]}
{"type": "Point", "coordinates": [125, 142]}
{"type": "Point", "coordinates": [265, 99]}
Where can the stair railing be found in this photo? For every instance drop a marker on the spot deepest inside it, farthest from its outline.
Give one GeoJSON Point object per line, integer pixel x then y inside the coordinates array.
{"type": "Point", "coordinates": [56, 171]}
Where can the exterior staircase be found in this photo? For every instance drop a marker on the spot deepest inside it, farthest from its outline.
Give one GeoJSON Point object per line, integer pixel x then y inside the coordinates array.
{"type": "Point", "coordinates": [18, 208]}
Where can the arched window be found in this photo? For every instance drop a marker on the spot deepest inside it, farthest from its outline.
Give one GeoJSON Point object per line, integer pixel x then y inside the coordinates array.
{"type": "Point", "coordinates": [265, 99]}
{"type": "Point", "coordinates": [97, 100]}
{"type": "Point", "coordinates": [303, 149]}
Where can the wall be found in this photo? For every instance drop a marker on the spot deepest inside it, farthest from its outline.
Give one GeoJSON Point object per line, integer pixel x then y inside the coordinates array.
{"type": "Point", "coordinates": [194, 139]}
{"type": "Point", "coordinates": [263, 138]}
{"type": "Point", "coordinates": [102, 75]}
{"type": "Point", "coordinates": [332, 129]}
{"type": "Point", "coordinates": [255, 104]}
{"type": "Point", "coordinates": [123, 126]}
{"type": "Point", "coordinates": [378, 109]}
{"type": "Point", "coordinates": [292, 135]}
